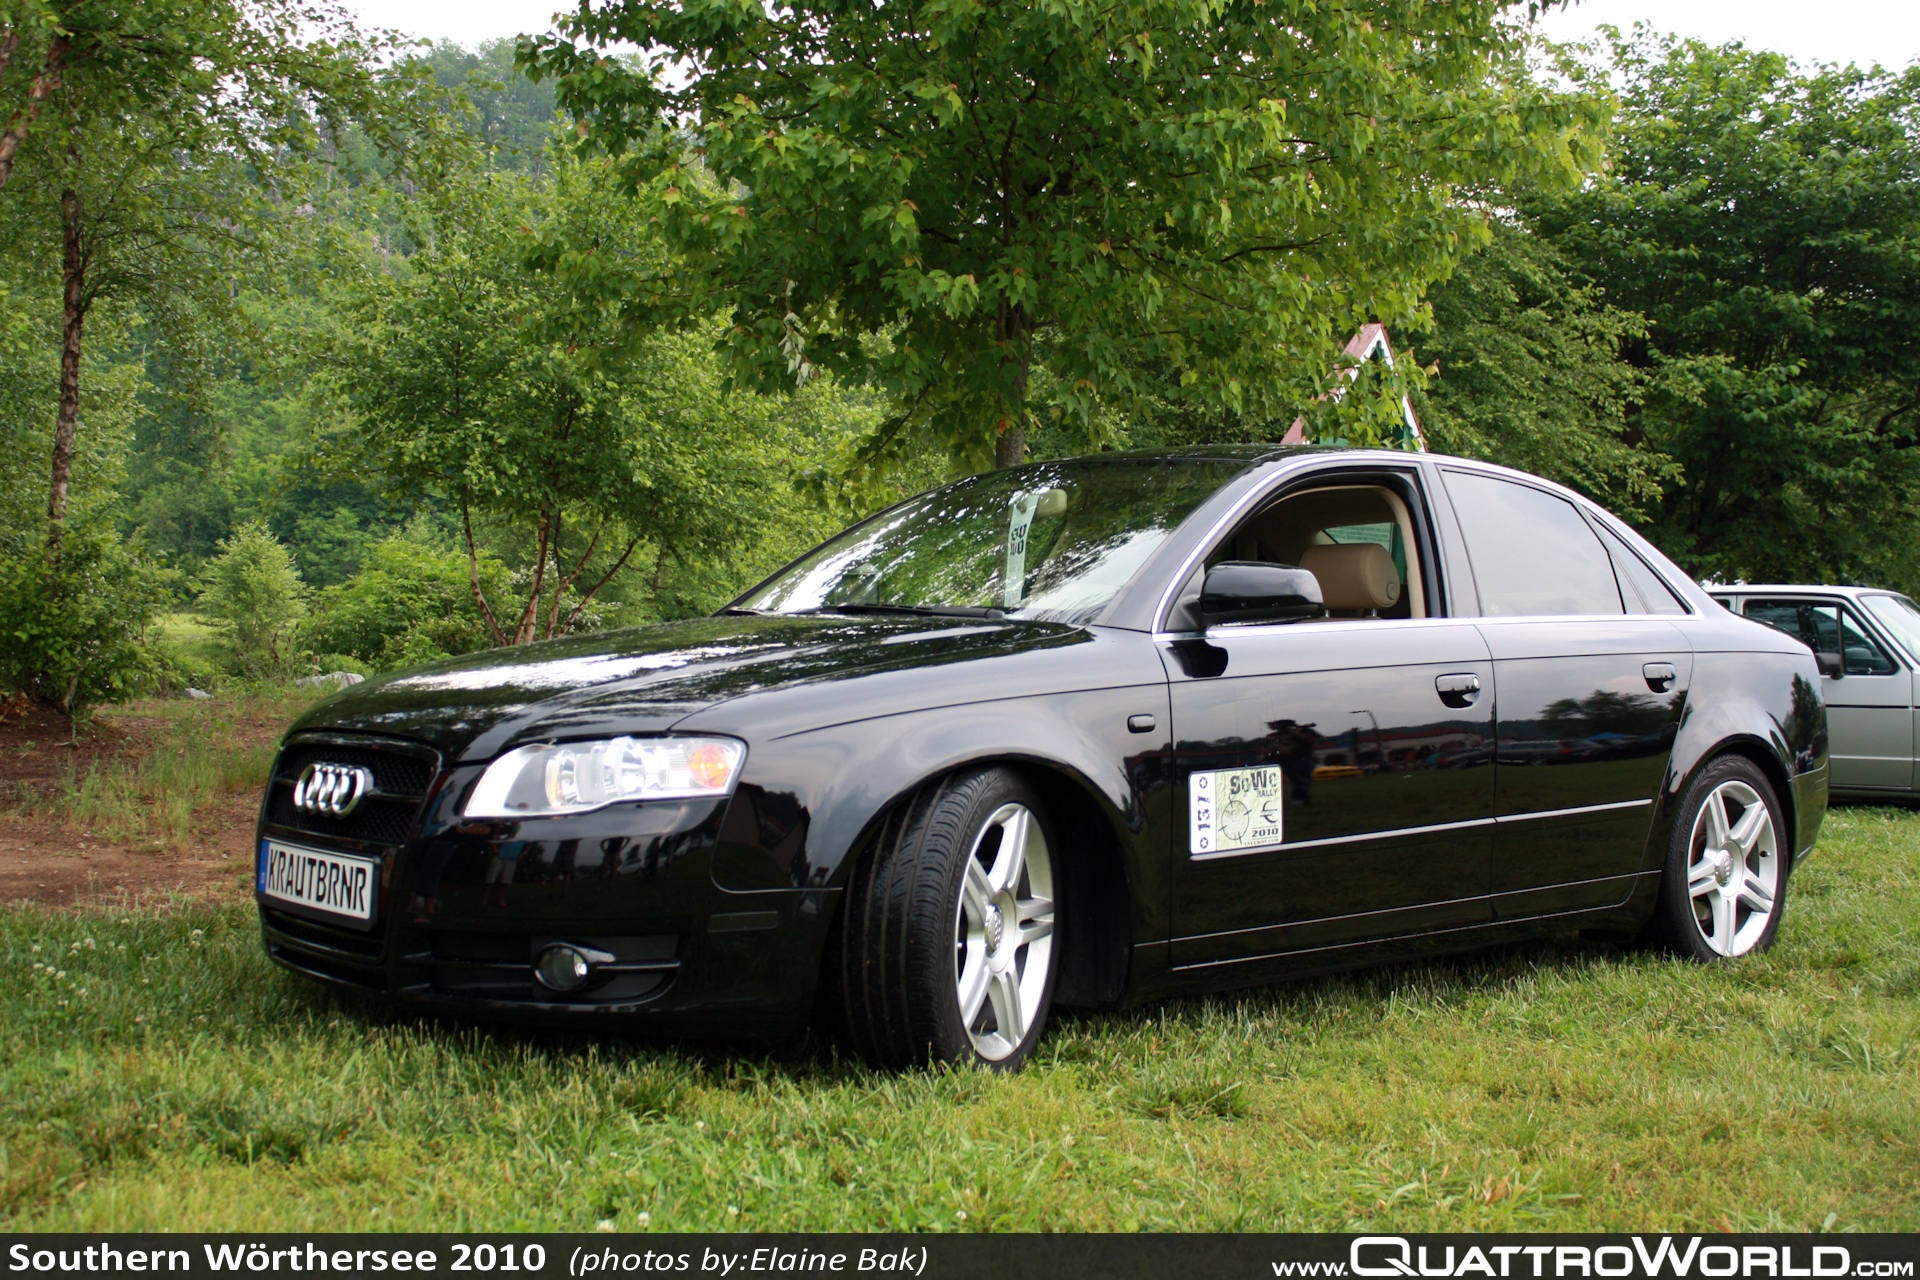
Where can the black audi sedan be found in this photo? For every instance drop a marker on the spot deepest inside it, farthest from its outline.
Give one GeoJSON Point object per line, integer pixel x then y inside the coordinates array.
{"type": "Point", "coordinates": [1076, 733]}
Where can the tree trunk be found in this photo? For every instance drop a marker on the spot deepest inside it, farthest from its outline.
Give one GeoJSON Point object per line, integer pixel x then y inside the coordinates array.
{"type": "Point", "coordinates": [561, 584]}
{"type": "Point", "coordinates": [73, 320]}
{"type": "Point", "coordinates": [1015, 336]}
{"type": "Point", "coordinates": [473, 574]}
{"type": "Point", "coordinates": [524, 631]}
{"type": "Point", "coordinates": [586, 597]}
{"type": "Point", "coordinates": [37, 94]}
{"type": "Point", "coordinates": [1010, 449]}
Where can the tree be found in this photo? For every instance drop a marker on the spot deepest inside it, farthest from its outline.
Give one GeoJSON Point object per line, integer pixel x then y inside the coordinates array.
{"type": "Point", "coordinates": [509, 114]}
{"type": "Point", "coordinates": [74, 623]}
{"type": "Point", "coordinates": [253, 596]}
{"type": "Point", "coordinates": [159, 122]}
{"type": "Point", "coordinates": [1765, 221]}
{"type": "Point", "coordinates": [1530, 372]}
{"type": "Point", "coordinates": [497, 368]}
{"type": "Point", "coordinates": [946, 197]}
{"type": "Point", "coordinates": [412, 602]}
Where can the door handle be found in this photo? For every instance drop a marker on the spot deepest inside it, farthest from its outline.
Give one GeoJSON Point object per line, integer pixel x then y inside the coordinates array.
{"type": "Point", "coordinates": [1458, 689]}
{"type": "Point", "coordinates": [1660, 675]}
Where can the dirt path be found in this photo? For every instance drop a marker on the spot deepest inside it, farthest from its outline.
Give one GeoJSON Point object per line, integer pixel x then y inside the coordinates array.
{"type": "Point", "coordinates": [45, 860]}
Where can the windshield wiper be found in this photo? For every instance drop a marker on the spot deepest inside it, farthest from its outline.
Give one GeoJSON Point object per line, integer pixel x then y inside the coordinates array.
{"type": "Point", "coordinates": [916, 610]}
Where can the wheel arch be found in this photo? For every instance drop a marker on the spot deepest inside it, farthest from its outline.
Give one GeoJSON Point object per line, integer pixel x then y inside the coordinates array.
{"type": "Point", "coordinates": [1764, 755]}
{"type": "Point", "coordinates": [1088, 838]}
{"type": "Point", "coordinates": [1745, 704]}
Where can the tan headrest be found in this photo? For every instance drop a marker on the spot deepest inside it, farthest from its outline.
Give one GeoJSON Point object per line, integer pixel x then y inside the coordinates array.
{"type": "Point", "coordinates": [1354, 575]}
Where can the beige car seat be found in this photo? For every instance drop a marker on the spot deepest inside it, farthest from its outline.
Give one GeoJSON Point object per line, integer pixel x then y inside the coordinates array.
{"type": "Point", "coordinates": [1357, 579]}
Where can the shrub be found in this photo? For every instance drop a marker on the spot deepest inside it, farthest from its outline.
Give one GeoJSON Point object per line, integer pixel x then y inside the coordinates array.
{"type": "Point", "coordinates": [411, 603]}
{"type": "Point", "coordinates": [75, 620]}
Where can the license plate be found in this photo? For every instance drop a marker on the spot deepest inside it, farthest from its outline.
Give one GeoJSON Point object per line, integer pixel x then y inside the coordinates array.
{"type": "Point", "coordinates": [337, 883]}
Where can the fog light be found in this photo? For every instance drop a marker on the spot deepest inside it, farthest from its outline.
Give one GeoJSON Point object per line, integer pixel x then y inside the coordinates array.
{"type": "Point", "coordinates": [562, 968]}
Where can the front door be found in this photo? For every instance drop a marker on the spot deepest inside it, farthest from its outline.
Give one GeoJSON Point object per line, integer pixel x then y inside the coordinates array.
{"type": "Point", "coordinates": [1333, 784]}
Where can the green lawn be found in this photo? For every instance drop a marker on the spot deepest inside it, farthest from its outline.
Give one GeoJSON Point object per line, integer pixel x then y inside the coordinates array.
{"type": "Point", "coordinates": [159, 1075]}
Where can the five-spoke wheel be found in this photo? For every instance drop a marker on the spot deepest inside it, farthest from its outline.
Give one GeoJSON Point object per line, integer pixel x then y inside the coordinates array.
{"type": "Point", "coordinates": [1727, 867]}
{"type": "Point", "coordinates": [947, 950]}
{"type": "Point", "coordinates": [1003, 932]}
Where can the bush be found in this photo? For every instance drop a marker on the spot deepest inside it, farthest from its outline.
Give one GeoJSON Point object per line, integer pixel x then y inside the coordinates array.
{"type": "Point", "coordinates": [252, 595]}
{"type": "Point", "coordinates": [75, 620]}
{"type": "Point", "coordinates": [411, 603]}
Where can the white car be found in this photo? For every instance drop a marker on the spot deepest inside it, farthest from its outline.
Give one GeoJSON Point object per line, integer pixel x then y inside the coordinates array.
{"type": "Point", "coordinates": [1867, 644]}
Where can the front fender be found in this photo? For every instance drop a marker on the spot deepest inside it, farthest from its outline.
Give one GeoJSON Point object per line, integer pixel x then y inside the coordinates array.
{"type": "Point", "coordinates": [836, 782]}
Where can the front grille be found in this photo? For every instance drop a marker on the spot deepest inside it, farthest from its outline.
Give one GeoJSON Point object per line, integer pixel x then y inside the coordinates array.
{"type": "Point", "coordinates": [386, 815]}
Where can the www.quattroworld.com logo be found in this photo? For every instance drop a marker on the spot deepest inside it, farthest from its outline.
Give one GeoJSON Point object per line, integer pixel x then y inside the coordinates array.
{"type": "Point", "coordinates": [1681, 1257]}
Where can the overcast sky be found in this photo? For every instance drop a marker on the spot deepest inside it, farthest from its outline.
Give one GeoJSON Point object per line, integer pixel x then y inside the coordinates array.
{"type": "Point", "coordinates": [1862, 31]}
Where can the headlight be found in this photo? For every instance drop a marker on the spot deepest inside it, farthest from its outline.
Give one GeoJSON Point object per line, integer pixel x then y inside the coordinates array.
{"type": "Point", "coordinates": [573, 777]}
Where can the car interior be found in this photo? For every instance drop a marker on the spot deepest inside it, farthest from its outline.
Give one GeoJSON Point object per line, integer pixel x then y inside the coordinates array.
{"type": "Point", "coordinates": [1824, 629]}
{"type": "Point", "coordinates": [1355, 539]}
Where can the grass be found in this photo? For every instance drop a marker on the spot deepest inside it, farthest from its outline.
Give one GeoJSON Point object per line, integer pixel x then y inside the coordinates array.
{"type": "Point", "coordinates": [160, 1075]}
{"type": "Point", "coordinates": [194, 644]}
{"type": "Point", "coordinates": [201, 751]}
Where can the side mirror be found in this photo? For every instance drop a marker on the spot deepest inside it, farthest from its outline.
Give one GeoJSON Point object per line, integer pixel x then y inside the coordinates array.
{"type": "Point", "coordinates": [1253, 591]}
{"type": "Point", "coordinates": [1829, 664]}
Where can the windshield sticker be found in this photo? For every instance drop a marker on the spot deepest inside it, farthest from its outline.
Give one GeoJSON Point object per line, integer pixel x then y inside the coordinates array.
{"type": "Point", "coordinates": [1233, 809]}
{"type": "Point", "coordinates": [1014, 583]}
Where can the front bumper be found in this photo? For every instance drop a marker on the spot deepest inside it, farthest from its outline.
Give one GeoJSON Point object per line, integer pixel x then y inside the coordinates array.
{"type": "Point", "coordinates": [464, 907]}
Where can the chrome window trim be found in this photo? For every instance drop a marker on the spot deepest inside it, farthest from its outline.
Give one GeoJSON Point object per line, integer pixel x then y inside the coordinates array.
{"type": "Point", "coordinates": [1612, 522]}
{"type": "Point", "coordinates": [1316, 626]}
{"type": "Point", "coordinates": [1422, 471]}
{"type": "Point", "coordinates": [1228, 631]}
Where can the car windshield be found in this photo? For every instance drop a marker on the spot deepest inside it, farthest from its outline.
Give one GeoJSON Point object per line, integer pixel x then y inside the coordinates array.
{"type": "Point", "coordinates": [1900, 616]}
{"type": "Point", "coordinates": [1053, 542]}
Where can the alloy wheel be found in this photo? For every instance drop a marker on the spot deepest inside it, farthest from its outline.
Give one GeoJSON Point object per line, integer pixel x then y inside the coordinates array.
{"type": "Point", "coordinates": [1003, 932]}
{"type": "Point", "coordinates": [1733, 868]}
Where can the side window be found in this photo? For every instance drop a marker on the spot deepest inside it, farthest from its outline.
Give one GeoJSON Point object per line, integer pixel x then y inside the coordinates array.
{"type": "Point", "coordinates": [1825, 628]}
{"type": "Point", "coordinates": [1358, 538]}
{"type": "Point", "coordinates": [1784, 615]}
{"type": "Point", "coordinates": [1642, 588]}
{"type": "Point", "coordinates": [1533, 554]}
{"type": "Point", "coordinates": [1860, 652]}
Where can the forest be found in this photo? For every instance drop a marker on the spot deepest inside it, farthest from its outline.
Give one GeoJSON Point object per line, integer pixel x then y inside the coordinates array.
{"type": "Point", "coordinates": [325, 350]}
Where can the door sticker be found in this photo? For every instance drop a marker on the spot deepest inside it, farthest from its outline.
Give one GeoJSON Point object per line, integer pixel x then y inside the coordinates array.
{"type": "Point", "coordinates": [1233, 809]}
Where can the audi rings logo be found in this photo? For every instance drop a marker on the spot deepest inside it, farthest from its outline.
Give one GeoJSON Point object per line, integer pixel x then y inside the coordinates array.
{"type": "Point", "coordinates": [331, 789]}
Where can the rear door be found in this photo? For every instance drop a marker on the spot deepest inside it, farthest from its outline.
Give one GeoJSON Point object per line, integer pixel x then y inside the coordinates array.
{"type": "Point", "coordinates": [1590, 694]}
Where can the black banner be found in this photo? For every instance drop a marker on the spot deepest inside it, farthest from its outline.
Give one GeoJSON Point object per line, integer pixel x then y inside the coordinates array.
{"type": "Point", "coordinates": [963, 1257]}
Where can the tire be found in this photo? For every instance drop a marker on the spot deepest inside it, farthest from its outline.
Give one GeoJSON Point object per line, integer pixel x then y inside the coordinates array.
{"type": "Point", "coordinates": [1725, 884]}
{"type": "Point", "coordinates": [947, 947]}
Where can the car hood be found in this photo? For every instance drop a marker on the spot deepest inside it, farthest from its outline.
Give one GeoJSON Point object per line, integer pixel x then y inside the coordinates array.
{"type": "Point", "coordinates": [648, 679]}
